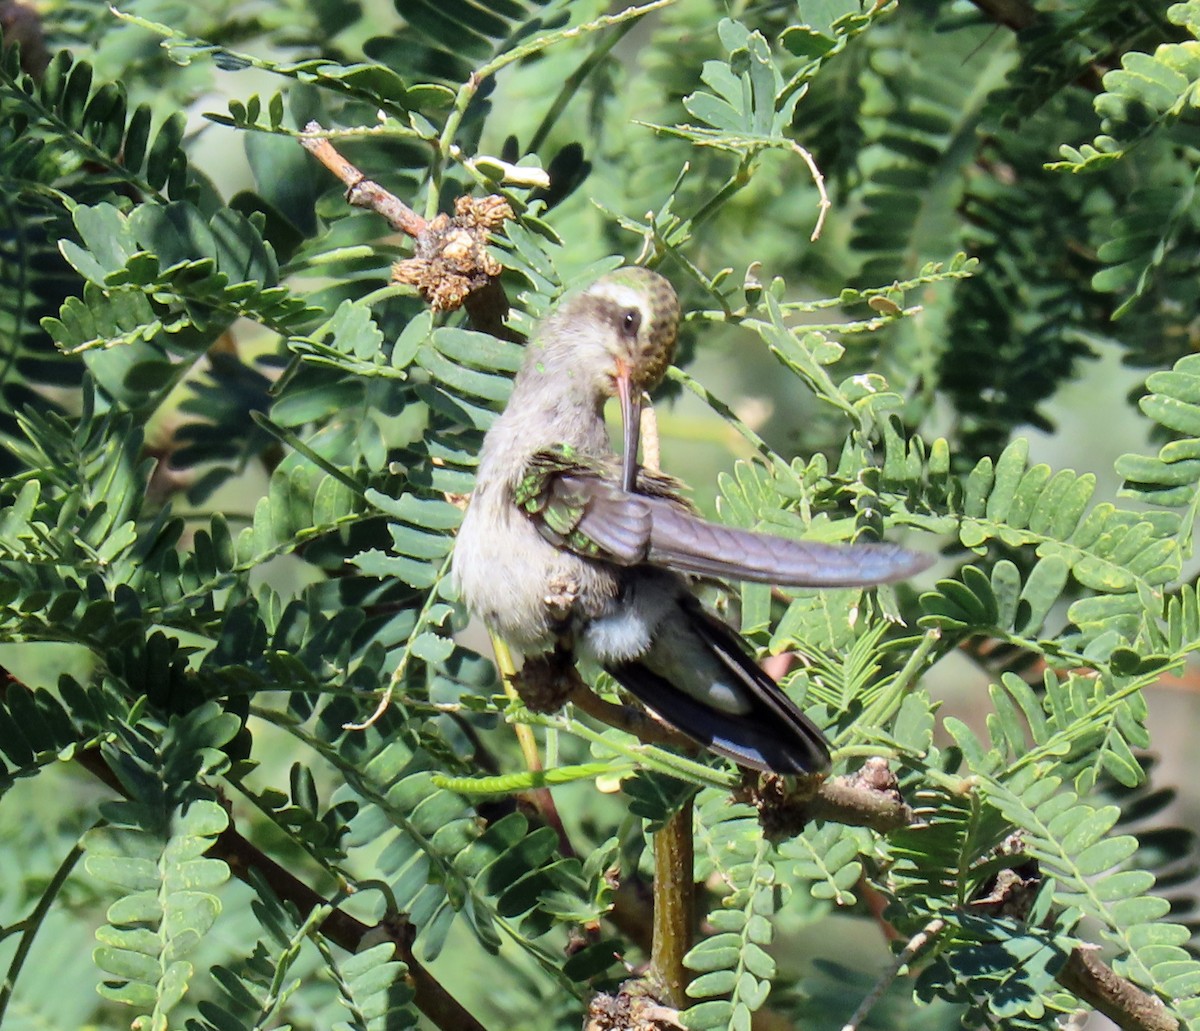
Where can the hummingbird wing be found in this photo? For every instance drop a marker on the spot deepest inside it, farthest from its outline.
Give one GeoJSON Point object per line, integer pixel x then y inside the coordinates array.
{"type": "Point", "coordinates": [698, 677]}
{"type": "Point", "coordinates": [579, 505]}
{"type": "Point", "coordinates": [690, 544]}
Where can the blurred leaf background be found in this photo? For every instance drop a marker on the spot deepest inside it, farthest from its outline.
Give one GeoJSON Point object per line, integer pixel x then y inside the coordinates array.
{"type": "Point", "coordinates": [232, 448]}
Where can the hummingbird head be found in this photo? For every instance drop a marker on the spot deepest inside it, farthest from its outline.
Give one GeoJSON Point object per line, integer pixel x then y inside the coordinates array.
{"type": "Point", "coordinates": [640, 312]}
{"type": "Point", "coordinates": [633, 315]}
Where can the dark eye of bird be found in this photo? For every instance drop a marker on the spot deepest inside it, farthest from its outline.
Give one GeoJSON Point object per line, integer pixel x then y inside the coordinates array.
{"type": "Point", "coordinates": [631, 322]}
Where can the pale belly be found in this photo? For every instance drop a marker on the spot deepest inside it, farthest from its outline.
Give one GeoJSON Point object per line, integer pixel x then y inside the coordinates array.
{"type": "Point", "coordinates": [522, 587]}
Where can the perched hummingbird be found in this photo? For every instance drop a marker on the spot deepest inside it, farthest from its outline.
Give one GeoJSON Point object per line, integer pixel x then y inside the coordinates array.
{"type": "Point", "coordinates": [564, 540]}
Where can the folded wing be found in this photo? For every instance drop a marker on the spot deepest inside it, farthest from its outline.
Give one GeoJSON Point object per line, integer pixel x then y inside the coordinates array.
{"type": "Point", "coordinates": [582, 508]}
{"type": "Point", "coordinates": [689, 544]}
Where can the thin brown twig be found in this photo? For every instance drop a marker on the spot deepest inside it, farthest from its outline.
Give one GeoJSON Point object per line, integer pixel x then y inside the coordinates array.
{"type": "Point", "coordinates": [823, 201]}
{"type": "Point", "coordinates": [1083, 974]}
{"type": "Point", "coordinates": [451, 266]}
{"type": "Point", "coordinates": [841, 800]}
{"type": "Point", "coordinates": [361, 191]}
{"type": "Point", "coordinates": [903, 957]}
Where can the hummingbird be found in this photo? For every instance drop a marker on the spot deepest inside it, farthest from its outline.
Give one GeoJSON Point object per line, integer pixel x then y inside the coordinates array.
{"type": "Point", "coordinates": [567, 543]}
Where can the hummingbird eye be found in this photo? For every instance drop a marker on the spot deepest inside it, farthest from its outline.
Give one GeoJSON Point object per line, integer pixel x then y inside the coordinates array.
{"type": "Point", "coordinates": [631, 322]}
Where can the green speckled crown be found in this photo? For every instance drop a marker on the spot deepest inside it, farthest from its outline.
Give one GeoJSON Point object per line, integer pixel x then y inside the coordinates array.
{"type": "Point", "coordinates": [662, 310]}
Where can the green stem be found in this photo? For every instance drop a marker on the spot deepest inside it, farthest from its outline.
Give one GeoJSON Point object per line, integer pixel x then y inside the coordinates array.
{"type": "Point", "coordinates": [406, 656]}
{"type": "Point", "coordinates": [674, 904]}
{"type": "Point", "coordinates": [642, 754]}
{"type": "Point", "coordinates": [508, 676]}
{"type": "Point", "coordinates": [540, 796]}
{"type": "Point", "coordinates": [725, 412]}
{"type": "Point", "coordinates": [290, 439]}
{"type": "Point", "coordinates": [574, 81]}
{"type": "Point", "coordinates": [732, 186]}
{"type": "Point", "coordinates": [33, 923]}
{"type": "Point", "coordinates": [384, 293]}
{"type": "Point", "coordinates": [889, 700]}
{"type": "Point", "coordinates": [466, 92]}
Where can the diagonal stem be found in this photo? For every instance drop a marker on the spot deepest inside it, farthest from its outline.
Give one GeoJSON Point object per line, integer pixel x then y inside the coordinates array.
{"type": "Point", "coordinates": [541, 797]}
{"type": "Point", "coordinates": [576, 79]}
{"type": "Point", "coordinates": [34, 922]}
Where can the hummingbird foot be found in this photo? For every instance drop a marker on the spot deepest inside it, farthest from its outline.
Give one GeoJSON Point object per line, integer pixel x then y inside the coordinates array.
{"type": "Point", "coordinates": [561, 594]}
